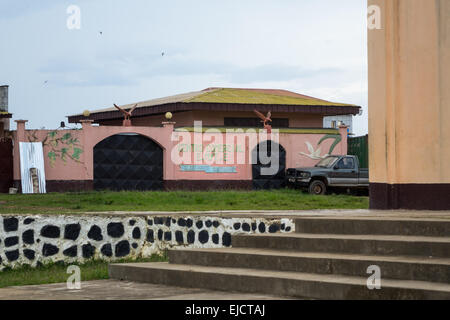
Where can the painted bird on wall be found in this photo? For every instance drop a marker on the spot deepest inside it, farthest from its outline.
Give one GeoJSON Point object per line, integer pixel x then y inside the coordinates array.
{"type": "Point", "coordinates": [265, 120]}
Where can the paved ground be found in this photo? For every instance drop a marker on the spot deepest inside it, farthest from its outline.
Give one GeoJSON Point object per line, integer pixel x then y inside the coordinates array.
{"type": "Point", "coordinates": [121, 290]}
{"type": "Point", "coordinates": [330, 213]}
{"type": "Point", "coordinates": [340, 213]}
{"type": "Point", "coordinates": [113, 289]}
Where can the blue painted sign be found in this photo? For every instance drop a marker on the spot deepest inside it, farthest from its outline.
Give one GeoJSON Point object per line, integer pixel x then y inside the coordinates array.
{"type": "Point", "coordinates": [207, 169]}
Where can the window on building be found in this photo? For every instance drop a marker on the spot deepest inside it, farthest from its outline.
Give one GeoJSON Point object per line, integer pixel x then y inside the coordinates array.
{"type": "Point", "coordinates": [254, 122]}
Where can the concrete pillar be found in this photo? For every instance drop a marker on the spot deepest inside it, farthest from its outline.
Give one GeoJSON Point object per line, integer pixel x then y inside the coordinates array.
{"type": "Point", "coordinates": [4, 98]}
{"type": "Point", "coordinates": [168, 125]}
{"type": "Point", "coordinates": [169, 170]}
{"type": "Point", "coordinates": [86, 124]}
{"type": "Point", "coordinates": [4, 120]}
{"type": "Point", "coordinates": [21, 130]}
{"type": "Point", "coordinates": [88, 151]}
{"type": "Point", "coordinates": [343, 132]}
{"type": "Point", "coordinates": [409, 105]}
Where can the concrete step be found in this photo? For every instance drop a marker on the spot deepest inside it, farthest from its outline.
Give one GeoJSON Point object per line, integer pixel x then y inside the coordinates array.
{"type": "Point", "coordinates": [356, 244]}
{"type": "Point", "coordinates": [282, 283]}
{"type": "Point", "coordinates": [392, 267]}
{"type": "Point", "coordinates": [379, 226]}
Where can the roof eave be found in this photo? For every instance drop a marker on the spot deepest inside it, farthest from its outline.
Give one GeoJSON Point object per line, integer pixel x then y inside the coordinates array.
{"type": "Point", "coordinates": [5, 115]}
{"type": "Point", "coordinates": [326, 110]}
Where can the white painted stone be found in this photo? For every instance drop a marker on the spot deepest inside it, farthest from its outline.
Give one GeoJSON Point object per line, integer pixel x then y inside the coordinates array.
{"type": "Point", "coordinates": [144, 247]}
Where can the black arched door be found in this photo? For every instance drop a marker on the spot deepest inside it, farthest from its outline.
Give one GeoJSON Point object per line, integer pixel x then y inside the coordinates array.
{"type": "Point", "coordinates": [275, 179]}
{"type": "Point", "coordinates": [128, 162]}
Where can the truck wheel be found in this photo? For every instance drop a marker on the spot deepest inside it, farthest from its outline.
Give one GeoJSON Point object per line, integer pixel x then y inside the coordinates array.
{"type": "Point", "coordinates": [317, 187]}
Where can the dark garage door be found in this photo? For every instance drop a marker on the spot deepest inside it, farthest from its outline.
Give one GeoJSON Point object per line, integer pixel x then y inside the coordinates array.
{"type": "Point", "coordinates": [128, 162]}
{"type": "Point", "coordinates": [275, 180]}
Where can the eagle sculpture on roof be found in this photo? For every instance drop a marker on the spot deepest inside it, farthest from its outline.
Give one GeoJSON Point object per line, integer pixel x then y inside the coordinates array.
{"type": "Point", "coordinates": [126, 115]}
{"type": "Point", "coordinates": [265, 120]}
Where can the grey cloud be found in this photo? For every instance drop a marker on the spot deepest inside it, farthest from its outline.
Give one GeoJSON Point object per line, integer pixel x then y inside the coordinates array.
{"type": "Point", "coordinates": [16, 8]}
{"type": "Point", "coordinates": [127, 70]}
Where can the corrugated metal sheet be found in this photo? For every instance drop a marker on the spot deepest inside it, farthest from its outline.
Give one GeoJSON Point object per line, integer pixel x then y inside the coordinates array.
{"type": "Point", "coordinates": [32, 156]}
{"type": "Point", "coordinates": [359, 146]}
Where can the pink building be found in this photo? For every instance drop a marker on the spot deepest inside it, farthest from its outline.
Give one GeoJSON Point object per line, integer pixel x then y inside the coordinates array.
{"type": "Point", "coordinates": [229, 151]}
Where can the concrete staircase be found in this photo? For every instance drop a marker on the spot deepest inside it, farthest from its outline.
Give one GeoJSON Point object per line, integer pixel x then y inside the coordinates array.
{"type": "Point", "coordinates": [326, 258]}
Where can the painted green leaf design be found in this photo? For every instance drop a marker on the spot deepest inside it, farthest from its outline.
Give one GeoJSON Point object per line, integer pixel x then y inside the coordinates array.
{"type": "Point", "coordinates": [52, 155]}
{"type": "Point", "coordinates": [67, 136]}
{"type": "Point", "coordinates": [62, 147]}
{"type": "Point", "coordinates": [337, 138]}
{"type": "Point", "coordinates": [76, 153]}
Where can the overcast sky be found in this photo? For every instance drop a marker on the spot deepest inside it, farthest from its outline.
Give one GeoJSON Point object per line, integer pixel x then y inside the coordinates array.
{"type": "Point", "coordinates": [314, 47]}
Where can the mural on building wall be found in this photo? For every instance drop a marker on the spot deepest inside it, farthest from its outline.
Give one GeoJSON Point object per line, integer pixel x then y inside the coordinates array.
{"type": "Point", "coordinates": [315, 154]}
{"type": "Point", "coordinates": [63, 147]}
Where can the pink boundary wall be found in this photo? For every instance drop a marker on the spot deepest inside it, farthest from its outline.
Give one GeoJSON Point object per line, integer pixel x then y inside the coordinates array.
{"type": "Point", "coordinates": [89, 136]}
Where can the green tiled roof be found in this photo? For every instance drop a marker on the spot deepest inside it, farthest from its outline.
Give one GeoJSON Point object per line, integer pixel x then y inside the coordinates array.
{"type": "Point", "coordinates": [259, 96]}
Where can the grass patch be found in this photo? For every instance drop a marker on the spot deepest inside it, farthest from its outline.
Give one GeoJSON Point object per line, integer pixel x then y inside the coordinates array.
{"type": "Point", "coordinates": [57, 272]}
{"type": "Point", "coordinates": [285, 199]}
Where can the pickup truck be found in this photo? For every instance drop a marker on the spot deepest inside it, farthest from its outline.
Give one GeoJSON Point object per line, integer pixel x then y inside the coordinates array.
{"type": "Point", "coordinates": [330, 172]}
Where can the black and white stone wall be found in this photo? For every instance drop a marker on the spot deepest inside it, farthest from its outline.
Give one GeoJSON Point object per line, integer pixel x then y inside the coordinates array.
{"type": "Point", "coordinates": [41, 239]}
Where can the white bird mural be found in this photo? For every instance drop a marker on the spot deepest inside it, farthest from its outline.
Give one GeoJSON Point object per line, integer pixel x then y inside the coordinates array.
{"type": "Point", "coordinates": [313, 154]}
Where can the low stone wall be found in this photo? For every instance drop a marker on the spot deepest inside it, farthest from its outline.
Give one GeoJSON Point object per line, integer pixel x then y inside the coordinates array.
{"type": "Point", "coordinates": [36, 239]}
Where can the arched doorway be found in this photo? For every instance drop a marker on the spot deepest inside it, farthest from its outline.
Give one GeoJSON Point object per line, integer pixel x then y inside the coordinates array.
{"type": "Point", "coordinates": [128, 162]}
{"type": "Point", "coordinates": [272, 181]}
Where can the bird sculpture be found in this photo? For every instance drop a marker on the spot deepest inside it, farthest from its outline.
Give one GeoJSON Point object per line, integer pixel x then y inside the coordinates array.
{"type": "Point", "coordinates": [265, 120]}
{"type": "Point", "coordinates": [126, 115]}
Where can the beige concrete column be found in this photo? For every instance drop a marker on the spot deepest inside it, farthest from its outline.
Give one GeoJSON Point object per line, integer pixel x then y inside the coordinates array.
{"type": "Point", "coordinates": [409, 105]}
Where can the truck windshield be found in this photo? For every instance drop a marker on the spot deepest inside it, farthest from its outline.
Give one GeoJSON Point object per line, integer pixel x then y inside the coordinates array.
{"type": "Point", "coordinates": [327, 162]}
